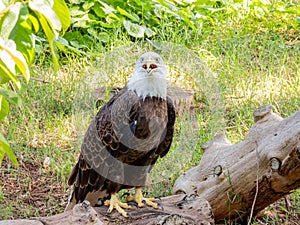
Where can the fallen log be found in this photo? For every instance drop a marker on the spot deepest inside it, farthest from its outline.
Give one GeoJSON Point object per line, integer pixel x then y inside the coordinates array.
{"type": "Point", "coordinates": [244, 178]}
{"type": "Point", "coordinates": [178, 209]}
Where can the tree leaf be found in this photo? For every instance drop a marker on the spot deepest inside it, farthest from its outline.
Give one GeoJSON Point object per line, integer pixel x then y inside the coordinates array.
{"type": "Point", "coordinates": [9, 47]}
{"type": "Point", "coordinates": [16, 37]}
{"type": "Point", "coordinates": [149, 32]}
{"type": "Point", "coordinates": [9, 19]}
{"type": "Point", "coordinates": [128, 15]}
{"type": "Point", "coordinates": [34, 22]}
{"type": "Point", "coordinates": [7, 66]}
{"type": "Point", "coordinates": [134, 29]}
{"type": "Point", "coordinates": [5, 149]}
{"type": "Point", "coordinates": [4, 107]}
{"type": "Point", "coordinates": [11, 96]}
{"type": "Point", "coordinates": [22, 34]}
{"type": "Point", "coordinates": [6, 74]}
{"type": "Point", "coordinates": [106, 8]}
{"type": "Point", "coordinates": [7, 60]}
{"type": "Point", "coordinates": [98, 10]}
{"type": "Point", "coordinates": [2, 6]}
{"type": "Point", "coordinates": [103, 36]}
{"type": "Point", "coordinates": [44, 8]}
{"type": "Point", "coordinates": [50, 34]}
{"type": "Point", "coordinates": [63, 13]}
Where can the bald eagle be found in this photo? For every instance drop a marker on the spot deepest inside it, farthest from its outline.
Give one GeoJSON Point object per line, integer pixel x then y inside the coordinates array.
{"type": "Point", "coordinates": [125, 139]}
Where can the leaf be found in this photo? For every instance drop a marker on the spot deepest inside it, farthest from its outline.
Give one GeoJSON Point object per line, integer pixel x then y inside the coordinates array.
{"type": "Point", "coordinates": [34, 22]}
{"type": "Point", "coordinates": [87, 5]}
{"type": "Point", "coordinates": [50, 34]}
{"type": "Point", "coordinates": [16, 26]}
{"type": "Point", "coordinates": [128, 15]}
{"type": "Point", "coordinates": [108, 25]}
{"type": "Point", "coordinates": [103, 36]}
{"type": "Point", "coordinates": [4, 107]}
{"type": "Point", "coordinates": [9, 20]}
{"type": "Point", "coordinates": [8, 61]}
{"type": "Point", "coordinates": [75, 11]}
{"type": "Point", "coordinates": [11, 96]}
{"type": "Point", "coordinates": [63, 44]}
{"type": "Point", "coordinates": [83, 21]}
{"type": "Point", "coordinates": [63, 13]}
{"type": "Point", "coordinates": [18, 59]}
{"type": "Point", "coordinates": [134, 29]}
{"type": "Point", "coordinates": [44, 8]}
{"type": "Point", "coordinates": [6, 74]}
{"type": "Point", "coordinates": [5, 149]}
{"type": "Point", "coordinates": [98, 10]}
{"type": "Point", "coordinates": [2, 6]}
{"type": "Point", "coordinates": [112, 17]}
{"type": "Point", "coordinates": [106, 8]}
{"type": "Point", "coordinates": [149, 32]}
{"type": "Point", "coordinates": [77, 45]}
{"type": "Point", "coordinates": [22, 34]}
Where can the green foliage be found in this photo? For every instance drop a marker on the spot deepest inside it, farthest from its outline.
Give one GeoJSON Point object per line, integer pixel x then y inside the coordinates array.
{"type": "Point", "coordinates": [19, 22]}
{"type": "Point", "coordinates": [95, 19]}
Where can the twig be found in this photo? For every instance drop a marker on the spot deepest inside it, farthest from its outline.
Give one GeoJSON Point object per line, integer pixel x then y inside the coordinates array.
{"type": "Point", "coordinates": [37, 79]}
{"type": "Point", "coordinates": [12, 86]}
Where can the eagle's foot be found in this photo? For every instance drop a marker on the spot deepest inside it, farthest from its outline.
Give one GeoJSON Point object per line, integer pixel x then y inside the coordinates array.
{"type": "Point", "coordinates": [115, 203]}
{"type": "Point", "coordinates": [142, 201]}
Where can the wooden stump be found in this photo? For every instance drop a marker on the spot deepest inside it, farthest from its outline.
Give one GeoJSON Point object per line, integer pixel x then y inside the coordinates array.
{"type": "Point", "coordinates": [254, 173]}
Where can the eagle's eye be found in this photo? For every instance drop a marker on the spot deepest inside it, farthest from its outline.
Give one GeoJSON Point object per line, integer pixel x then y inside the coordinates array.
{"type": "Point", "coordinates": [157, 59]}
{"type": "Point", "coordinates": [153, 66]}
{"type": "Point", "coordinates": [144, 66]}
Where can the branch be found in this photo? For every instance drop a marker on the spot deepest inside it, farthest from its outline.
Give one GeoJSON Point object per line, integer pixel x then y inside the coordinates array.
{"type": "Point", "coordinates": [227, 174]}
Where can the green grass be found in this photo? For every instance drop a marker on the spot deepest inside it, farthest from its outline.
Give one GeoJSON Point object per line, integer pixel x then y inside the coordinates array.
{"type": "Point", "coordinates": [256, 63]}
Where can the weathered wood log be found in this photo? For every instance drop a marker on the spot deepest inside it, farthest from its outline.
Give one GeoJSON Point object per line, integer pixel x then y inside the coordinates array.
{"type": "Point", "coordinates": [178, 209]}
{"type": "Point", "coordinates": [248, 176]}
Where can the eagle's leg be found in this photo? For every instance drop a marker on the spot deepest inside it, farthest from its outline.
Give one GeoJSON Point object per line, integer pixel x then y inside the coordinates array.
{"type": "Point", "coordinates": [115, 203]}
{"type": "Point", "coordinates": [142, 201]}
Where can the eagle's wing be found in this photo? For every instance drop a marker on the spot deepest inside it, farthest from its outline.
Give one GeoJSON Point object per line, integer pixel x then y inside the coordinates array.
{"type": "Point", "coordinates": [97, 160]}
{"type": "Point", "coordinates": [165, 145]}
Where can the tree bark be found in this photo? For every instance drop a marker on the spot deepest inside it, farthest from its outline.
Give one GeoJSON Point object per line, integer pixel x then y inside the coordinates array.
{"type": "Point", "coordinates": [254, 173]}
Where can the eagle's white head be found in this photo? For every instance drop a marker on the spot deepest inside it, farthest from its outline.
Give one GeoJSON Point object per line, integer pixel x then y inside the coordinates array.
{"type": "Point", "coordinates": [149, 77]}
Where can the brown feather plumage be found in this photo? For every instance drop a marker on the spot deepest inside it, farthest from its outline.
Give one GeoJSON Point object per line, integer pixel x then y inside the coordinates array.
{"type": "Point", "coordinates": [119, 150]}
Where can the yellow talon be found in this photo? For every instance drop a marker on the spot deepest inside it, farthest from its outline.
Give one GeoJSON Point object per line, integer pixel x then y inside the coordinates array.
{"type": "Point", "coordinates": [114, 203]}
{"type": "Point", "coordinates": [141, 200]}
